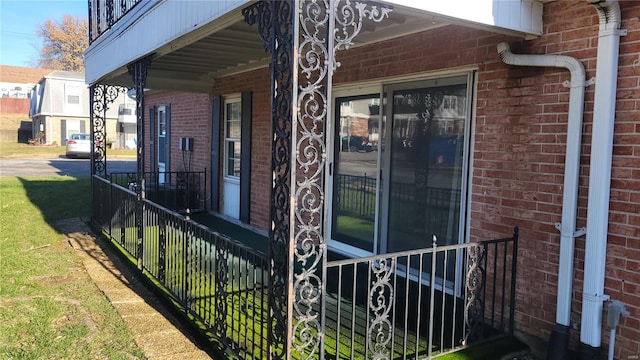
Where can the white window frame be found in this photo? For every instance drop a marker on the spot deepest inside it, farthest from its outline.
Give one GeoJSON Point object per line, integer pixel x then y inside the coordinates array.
{"type": "Point", "coordinates": [228, 100]}
{"type": "Point", "coordinates": [378, 86]}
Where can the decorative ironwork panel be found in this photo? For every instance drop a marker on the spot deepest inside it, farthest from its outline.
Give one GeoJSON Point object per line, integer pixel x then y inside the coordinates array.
{"type": "Point", "coordinates": [325, 27]}
{"type": "Point", "coordinates": [221, 283]}
{"type": "Point", "coordinates": [100, 97]}
{"type": "Point", "coordinates": [474, 285]}
{"type": "Point", "coordinates": [308, 243]}
{"type": "Point", "coordinates": [298, 193]}
{"type": "Point", "coordinates": [103, 14]}
{"type": "Point", "coordinates": [380, 328]}
{"type": "Point", "coordinates": [138, 71]}
{"type": "Point", "coordinates": [274, 19]}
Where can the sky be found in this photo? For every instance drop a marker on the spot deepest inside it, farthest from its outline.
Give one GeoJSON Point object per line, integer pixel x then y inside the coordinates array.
{"type": "Point", "coordinates": [19, 21]}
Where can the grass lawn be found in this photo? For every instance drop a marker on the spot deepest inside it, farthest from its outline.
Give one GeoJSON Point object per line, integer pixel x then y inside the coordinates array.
{"type": "Point", "coordinates": [49, 307]}
{"type": "Point", "coordinates": [16, 150]}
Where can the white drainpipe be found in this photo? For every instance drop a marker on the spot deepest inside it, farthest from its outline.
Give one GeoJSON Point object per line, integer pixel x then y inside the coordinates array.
{"type": "Point", "coordinates": [600, 175]}
{"type": "Point", "coordinates": [560, 336]}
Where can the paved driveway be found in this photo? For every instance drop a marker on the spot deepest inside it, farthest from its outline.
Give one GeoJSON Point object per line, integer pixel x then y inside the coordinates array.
{"type": "Point", "coordinates": [60, 166]}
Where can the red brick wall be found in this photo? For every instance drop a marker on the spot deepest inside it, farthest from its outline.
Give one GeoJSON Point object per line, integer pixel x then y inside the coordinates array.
{"type": "Point", "coordinates": [14, 106]}
{"type": "Point", "coordinates": [519, 146]}
{"type": "Point", "coordinates": [256, 82]}
{"type": "Point", "coordinates": [190, 117]}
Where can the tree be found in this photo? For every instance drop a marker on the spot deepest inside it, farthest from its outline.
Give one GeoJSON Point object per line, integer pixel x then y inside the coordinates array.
{"type": "Point", "coordinates": [64, 43]}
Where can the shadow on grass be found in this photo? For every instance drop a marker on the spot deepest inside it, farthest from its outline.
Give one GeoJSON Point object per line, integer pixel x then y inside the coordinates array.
{"type": "Point", "coordinates": [59, 197]}
{"type": "Point", "coordinates": [63, 198]}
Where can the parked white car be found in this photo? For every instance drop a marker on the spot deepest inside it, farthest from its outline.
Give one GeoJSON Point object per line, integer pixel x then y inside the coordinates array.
{"type": "Point", "coordinates": [79, 145]}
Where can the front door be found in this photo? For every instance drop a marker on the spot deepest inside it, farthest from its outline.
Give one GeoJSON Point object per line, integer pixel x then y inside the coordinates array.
{"type": "Point", "coordinates": [232, 147]}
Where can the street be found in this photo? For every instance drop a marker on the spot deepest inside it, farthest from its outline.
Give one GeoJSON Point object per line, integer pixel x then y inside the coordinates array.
{"type": "Point", "coordinates": [60, 166]}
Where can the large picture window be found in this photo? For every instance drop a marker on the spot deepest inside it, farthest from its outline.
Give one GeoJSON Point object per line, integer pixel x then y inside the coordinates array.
{"type": "Point", "coordinates": [400, 166]}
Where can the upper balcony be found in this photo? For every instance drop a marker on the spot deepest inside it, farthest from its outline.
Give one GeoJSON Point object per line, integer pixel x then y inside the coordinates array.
{"type": "Point", "coordinates": [194, 42]}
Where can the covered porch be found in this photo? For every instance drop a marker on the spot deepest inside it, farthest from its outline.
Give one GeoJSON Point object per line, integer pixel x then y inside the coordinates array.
{"type": "Point", "coordinates": [411, 304]}
{"type": "Point", "coordinates": [287, 294]}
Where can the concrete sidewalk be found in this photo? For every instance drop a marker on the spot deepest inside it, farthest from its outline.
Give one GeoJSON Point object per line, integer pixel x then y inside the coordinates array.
{"type": "Point", "coordinates": [156, 331]}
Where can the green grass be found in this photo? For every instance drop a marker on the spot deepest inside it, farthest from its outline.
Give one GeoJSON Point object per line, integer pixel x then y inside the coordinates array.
{"type": "Point", "coordinates": [49, 307]}
{"type": "Point", "coordinates": [20, 150]}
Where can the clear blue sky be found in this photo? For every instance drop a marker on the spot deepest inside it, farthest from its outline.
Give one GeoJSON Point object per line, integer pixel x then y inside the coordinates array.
{"type": "Point", "coordinates": [19, 20]}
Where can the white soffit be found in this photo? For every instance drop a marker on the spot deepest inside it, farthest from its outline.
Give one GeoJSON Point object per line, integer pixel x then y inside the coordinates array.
{"type": "Point", "coordinates": [520, 16]}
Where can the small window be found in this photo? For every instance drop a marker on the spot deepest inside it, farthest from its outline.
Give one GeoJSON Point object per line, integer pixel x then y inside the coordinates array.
{"type": "Point", "coordinates": [72, 94]}
{"type": "Point", "coordinates": [73, 99]}
{"type": "Point", "coordinates": [232, 118]}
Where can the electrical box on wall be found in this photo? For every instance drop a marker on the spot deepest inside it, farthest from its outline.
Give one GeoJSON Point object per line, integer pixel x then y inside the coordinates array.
{"type": "Point", "coordinates": [186, 144]}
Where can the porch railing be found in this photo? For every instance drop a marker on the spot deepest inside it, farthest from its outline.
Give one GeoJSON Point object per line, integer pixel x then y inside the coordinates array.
{"type": "Point", "coordinates": [219, 281]}
{"type": "Point", "coordinates": [421, 303]}
{"type": "Point", "coordinates": [103, 14]}
{"type": "Point", "coordinates": [413, 304]}
{"type": "Point", "coordinates": [178, 190]}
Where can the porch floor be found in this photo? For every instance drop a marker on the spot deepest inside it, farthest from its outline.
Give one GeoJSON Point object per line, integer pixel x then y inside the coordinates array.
{"type": "Point", "coordinates": [234, 231]}
{"type": "Point", "coordinates": [350, 339]}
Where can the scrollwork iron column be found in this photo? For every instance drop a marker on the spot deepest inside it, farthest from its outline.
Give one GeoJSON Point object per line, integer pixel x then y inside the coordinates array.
{"type": "Point", "coordinates": [325, 27]}
{"type": "Point", "coordinates": [138, 71]}
{"type": "Point", "coordinates": [301, 81]}
{"type": "Point", "coordinates": [274, 19]}
{"type": "Point", "coordinates": [100, 96]}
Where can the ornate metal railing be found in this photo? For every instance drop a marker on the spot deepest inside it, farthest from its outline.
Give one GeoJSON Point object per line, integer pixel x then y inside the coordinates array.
{"type": "Point", "coordinates": [421, 303]}
{"type": "Point", "coordinates": [215, 279]}
{"type": "Point", "coordinates": [413, 304]}
{"type": "Point", "coordinates": [182, 191]}
{"type": "Point", "coordinates": [104, 13]}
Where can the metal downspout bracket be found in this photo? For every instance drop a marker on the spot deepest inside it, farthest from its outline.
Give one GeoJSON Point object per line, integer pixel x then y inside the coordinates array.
{"type": "Point", "coordinates": [138, 71]}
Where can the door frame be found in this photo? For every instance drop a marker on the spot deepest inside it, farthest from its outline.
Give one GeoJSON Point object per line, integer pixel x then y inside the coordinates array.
{"type": "Point", "coordinates": [379, 86]}
{"type": "Point", "coordinates": [229, 181]}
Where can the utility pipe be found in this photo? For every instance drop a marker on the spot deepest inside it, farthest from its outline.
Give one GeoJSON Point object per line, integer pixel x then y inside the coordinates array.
{"type": "Point", "coordinates": [559, 341]}
{"type": "Point", "coordinates": [600, 176]}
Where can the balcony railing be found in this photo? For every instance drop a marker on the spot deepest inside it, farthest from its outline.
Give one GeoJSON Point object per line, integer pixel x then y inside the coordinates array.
{"type": "Point", "coordinates": [104, 13]}
{"type": "Point", "coordinates": [415, 304]}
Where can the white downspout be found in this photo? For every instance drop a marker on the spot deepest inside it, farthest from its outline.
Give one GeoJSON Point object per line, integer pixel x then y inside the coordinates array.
{"type": "Point", "coordinates": [600, 175]}
{"type": "Point", "coordinates": [560, 338]}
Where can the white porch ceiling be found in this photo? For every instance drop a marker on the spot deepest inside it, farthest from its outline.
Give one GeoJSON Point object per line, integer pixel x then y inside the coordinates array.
{"type": "Point", "coordinates": [228, 45]}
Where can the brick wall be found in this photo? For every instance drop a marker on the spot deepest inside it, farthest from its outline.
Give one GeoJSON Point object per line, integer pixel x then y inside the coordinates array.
{"type": "Point", "coordinates": [519, 146]}
{"type": "Point", "coordinates": [14, 106]}
{"type": "Point", "coordinates": [190, 117]}
{"type": "Point", "coordinates": [257, 82]}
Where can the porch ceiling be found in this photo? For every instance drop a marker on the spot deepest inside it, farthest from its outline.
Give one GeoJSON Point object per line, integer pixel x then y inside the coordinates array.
{"type": "Point", "coordinates": [193, 61]}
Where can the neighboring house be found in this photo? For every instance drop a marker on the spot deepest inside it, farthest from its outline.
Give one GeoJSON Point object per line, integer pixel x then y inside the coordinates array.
{"type": "Point", "coordinates": [16, 84]}
{"type": "Point", "coordinates": [455, 135]}
{"type": "Point", "coordinates": [60, 107]}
